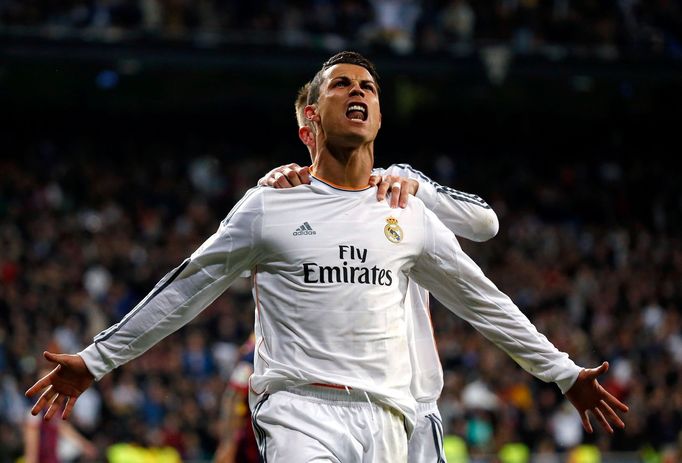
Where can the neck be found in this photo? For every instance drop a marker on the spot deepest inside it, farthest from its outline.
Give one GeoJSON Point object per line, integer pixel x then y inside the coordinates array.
{"type": "Point", "coordinates": [350, 168]}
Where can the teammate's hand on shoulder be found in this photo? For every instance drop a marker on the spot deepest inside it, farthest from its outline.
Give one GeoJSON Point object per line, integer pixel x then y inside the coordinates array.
{"type": "Point", "coordinates": [587, 395]}
{"type": "Point", "coordinates": [286, 176]}
{"type": "Point", "coordinates": [399, 187]}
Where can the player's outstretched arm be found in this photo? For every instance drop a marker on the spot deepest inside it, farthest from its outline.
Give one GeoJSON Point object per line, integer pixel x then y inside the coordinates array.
{"type": "Point", "coordinates": [62, 386]}
{"type": "Point", "coordinates": [456, 281]}
{"type": "Point", "coordinates": [176, 300]}
{"type": "Point", "coordinates": [587, 395]}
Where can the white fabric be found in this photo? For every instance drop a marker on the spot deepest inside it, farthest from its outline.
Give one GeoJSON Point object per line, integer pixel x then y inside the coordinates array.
{"type": "Point", "coordinates": [427, 373]}
{"type": "Point", "coordinates": [350, 331]}
{"type": "Point", "coordinates": [328, 425]}
{"type": "Point", "coordinates": [457, 282]}
{"type": "Point", "coordinates": [466, 215]}
{"type": "Point", "coordinates": [426, 443]}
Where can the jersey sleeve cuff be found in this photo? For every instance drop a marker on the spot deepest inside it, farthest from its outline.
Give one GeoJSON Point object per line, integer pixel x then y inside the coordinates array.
{"type": "Point", "coordinates": [567, 378]}
{"type": "Point", "coordinates": [428, 194]}
{"type": "Point", "coordinates": [94, 361]}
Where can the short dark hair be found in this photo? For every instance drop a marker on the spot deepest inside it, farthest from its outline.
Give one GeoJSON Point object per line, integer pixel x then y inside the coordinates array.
{"type": "Point", "coordinates": [344, 57]}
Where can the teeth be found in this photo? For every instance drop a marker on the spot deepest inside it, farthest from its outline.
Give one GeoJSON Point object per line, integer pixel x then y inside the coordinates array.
{"type": "Point", "coordinates": [357, 108]}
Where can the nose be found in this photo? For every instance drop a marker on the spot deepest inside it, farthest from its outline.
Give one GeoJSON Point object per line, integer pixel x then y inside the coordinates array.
{"type": "Point", "coordinates": [356, 89]}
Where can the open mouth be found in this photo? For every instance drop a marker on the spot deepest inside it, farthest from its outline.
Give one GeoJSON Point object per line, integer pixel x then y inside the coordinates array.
{"type": "Point", "coordinates": [357, 112]}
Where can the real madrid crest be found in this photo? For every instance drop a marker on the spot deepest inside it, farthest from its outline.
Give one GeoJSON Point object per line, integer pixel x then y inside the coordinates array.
{"type": "Point", "coordinates": [393, 231]}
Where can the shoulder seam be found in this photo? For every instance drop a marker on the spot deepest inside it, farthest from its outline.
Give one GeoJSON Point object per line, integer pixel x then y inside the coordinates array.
{"type": "Point", "coordinates": [454, 194]}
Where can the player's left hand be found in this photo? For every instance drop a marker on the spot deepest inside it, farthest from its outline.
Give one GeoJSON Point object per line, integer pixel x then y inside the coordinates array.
{"type": "Point", "coordinates": [588, 395]}
{"type": "Point", "coordinates": [400, 188]}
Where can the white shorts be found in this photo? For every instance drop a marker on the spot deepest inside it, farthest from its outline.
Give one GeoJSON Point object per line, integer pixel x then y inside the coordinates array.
{"type": "Point", "coordinates": [321, 424]}
{"type": "Point", "coordinates": [426, 443]}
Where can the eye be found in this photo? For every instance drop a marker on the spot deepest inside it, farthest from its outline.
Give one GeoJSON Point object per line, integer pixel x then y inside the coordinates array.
{"type": "Point", "coordinates": [369, 87]}
{"type": "Point", "coordinates": [340, 83]}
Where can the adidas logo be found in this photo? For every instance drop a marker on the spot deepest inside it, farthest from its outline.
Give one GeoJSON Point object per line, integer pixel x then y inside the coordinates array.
{"type": "Point", "coordinates": [305, 229]}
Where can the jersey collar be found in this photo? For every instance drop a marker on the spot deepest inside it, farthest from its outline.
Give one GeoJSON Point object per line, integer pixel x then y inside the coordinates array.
{"type": "Point", "coordinates": [318, 181]}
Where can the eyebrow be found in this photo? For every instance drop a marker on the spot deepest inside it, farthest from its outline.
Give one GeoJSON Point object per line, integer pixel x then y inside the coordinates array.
{"type": "Point", "coordinates": [344, 77]}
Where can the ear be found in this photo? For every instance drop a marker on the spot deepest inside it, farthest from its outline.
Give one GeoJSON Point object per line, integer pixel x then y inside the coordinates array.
{"type": "Point", "coordinates": [305, 134]}
{"type": "Point", "coordinates": [310, 112]}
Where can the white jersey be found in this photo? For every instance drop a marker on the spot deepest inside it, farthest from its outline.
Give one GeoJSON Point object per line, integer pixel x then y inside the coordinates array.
{"type": "Point", "coordinates": [331, 269]}
{"type": "Point", "coordinates": [466, 215]}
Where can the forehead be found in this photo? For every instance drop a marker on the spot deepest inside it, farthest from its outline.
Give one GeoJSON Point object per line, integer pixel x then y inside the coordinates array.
{"type": "Point", "coordinates": [352, 71]}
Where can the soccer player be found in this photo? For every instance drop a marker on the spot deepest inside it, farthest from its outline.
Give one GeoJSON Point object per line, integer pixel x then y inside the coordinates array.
{"type": "Point", "coordinates": [467, 215]}
{"type": "Point", "coordinates": [330, 378]}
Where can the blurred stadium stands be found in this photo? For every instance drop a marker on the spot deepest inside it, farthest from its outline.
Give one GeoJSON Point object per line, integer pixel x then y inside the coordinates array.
{"type": "Point", "coordinates": [129, 128]}
{"type": "Point", "coordinates": [609, 29]}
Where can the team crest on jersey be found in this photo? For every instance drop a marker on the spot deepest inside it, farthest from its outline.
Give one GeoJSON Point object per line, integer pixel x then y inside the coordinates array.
{"type": "Point", "coordinates": [393, 231]}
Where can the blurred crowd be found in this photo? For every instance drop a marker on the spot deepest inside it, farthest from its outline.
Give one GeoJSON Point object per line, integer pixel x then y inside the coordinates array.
{"type": "Point", "coordinates": [82, 241]}
{"type": "Point", "coordinates": [609, 28]}
{"type": "Point", "coordinates": [589, 250]}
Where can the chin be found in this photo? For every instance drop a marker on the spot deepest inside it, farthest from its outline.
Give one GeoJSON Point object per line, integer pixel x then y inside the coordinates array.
{"type": "Point", "coordinates": [348, 141]}
{"type": "Point", "coordinates": [362, 132]}
{"type": "Point", "coordinates": [358, 139]}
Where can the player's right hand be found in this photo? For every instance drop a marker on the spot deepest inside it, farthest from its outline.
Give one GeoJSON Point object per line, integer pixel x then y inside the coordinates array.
{"type": "Point", "coordinates": [63, 385]}
{"type": "Point", "coordinates": [286, 176]}
{"type": "Point", "coordinates": [587, 395]}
